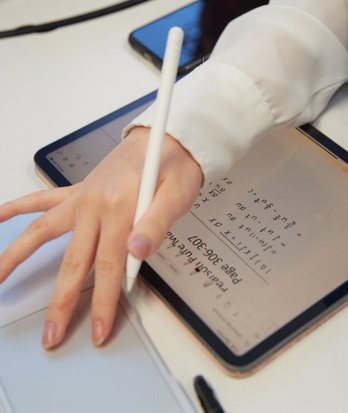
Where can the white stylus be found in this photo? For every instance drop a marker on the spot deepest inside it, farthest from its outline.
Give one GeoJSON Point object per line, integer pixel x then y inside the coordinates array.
{"type": "Point", "coordinates": [154, 147]}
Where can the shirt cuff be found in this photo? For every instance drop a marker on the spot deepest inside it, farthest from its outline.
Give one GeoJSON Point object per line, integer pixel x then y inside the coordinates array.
{"type": "Point", "coordinates": [216, 121]}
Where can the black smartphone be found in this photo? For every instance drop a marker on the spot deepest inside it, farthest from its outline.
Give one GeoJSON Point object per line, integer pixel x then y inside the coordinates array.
{"type": "Point", "coordinates": [202, 22]}
{"type": "Point", "coordinates": [261, 257]}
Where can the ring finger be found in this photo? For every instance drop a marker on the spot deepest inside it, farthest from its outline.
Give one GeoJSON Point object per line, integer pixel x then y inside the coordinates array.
{"type": "Point", "coordinates": [109, 271]}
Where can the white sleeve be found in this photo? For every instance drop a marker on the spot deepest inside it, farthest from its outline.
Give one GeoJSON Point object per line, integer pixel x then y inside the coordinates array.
{"type": "Point", "coordinates": [276, 65]}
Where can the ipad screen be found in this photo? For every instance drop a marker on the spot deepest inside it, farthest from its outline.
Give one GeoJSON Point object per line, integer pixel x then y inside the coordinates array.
{"type": "Point", "coordinates": [262, 246]}
{"type": "Point", "coordinates": [75, 159]}
{"type": "Point", "coordinates": [263, 243]}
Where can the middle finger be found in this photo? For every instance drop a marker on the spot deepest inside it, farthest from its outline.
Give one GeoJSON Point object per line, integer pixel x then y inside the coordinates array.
{"type": "Point", "coordinates": [76, 264]}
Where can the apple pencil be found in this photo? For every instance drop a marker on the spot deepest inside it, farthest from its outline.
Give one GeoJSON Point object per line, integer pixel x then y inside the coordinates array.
{"type": "Point", "coordinates": [154, 147]}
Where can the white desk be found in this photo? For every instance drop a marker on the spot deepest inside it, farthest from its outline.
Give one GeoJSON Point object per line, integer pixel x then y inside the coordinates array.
{"type": "Point", "coordinates": [54, 83]}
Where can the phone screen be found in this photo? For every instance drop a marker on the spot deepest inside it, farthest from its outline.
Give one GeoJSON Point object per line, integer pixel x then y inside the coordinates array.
{"type": "Point", "coordinates": [202, 22]}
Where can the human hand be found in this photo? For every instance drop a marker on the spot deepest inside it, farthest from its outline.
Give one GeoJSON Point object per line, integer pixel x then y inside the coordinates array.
{"type": "Point", "coordinates": [99, 211]}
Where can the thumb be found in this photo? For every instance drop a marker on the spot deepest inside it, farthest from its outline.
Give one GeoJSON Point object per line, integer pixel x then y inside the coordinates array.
{"type": "Point", "coordinates": [165, 209]}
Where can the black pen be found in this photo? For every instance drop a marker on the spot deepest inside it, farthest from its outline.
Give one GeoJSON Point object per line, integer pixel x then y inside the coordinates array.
{"type": "Point", "coordinates": [206, 396]}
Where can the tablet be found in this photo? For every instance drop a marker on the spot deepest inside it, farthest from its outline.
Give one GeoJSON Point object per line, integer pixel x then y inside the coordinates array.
{"type": "Point", "coordinates": [261, 257]}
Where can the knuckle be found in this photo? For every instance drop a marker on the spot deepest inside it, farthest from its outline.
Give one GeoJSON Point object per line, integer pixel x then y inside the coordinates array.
{"type": "Point", "coordinates": [178, 197]}
{"type": "Point", "coordinates": [38, 225]}
{"type": "Point", "coordinates": [87, 200]}
{"type": "Point", "coordinates": [12, 207]}
{"type": "Point", "coordinates": [63, 303]}
{"type": "Point", "coordinates": [71, 263]}
{"type": "Point", "coordinates": [106, 266]}
{"type": "Point", "coordinates": [157, 227]}
{"type": "Point", "coordinates": [182, 200]}
{"type": "Point", "coordinates": [185, 194]}
{"type": "Point", "coordinates": [112, 200]}
{"type": "Point", "coordinates": [103, 304]}
{"type": "Point", "coordinates": [42, 195]}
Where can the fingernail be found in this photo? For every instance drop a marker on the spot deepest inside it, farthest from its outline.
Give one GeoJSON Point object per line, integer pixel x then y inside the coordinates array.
{"type": "Point", "coordinates": [49, 338]}
{"type": "Point", "coordinates": [98, 334]}
{"type": "Point", "coordinates": [139, 247]}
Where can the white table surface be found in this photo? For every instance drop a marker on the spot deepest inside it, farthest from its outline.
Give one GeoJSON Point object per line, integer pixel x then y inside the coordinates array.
{"type": "Point", "coordinates": [54, 83]}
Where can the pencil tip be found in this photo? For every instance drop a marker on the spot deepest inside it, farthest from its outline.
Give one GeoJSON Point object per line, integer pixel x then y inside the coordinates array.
{"type": "Point", "coordinates": [132, 270]}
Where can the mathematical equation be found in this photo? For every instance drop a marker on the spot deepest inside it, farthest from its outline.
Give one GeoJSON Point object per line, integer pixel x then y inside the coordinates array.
{"type": "Point", "coordinates": [250, 224]}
